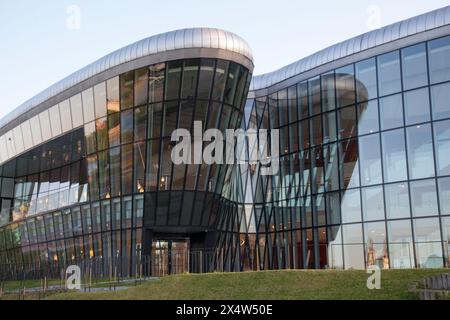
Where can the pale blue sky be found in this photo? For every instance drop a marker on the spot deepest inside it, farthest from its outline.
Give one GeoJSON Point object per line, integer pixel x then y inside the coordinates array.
{"type": "Point", "coordinates": [38, 49]}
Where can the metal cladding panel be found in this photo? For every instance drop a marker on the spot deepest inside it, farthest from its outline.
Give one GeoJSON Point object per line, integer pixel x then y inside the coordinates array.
{"type": "Point", "coordinates": [179, 39]}
{"type": "Point", "coordinates": [412, 26]}
{"type": "Point", "coordinates": [197, 38]}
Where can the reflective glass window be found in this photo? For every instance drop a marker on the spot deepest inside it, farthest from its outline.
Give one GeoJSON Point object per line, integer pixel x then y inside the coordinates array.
{"type": "Point", "coordinates": [427, 234]}
{"type": "Point", "coordinates": [93, 176]}
{"type": "Point", "coordinates": [189, 82]}
{"type": "Point", "coordinates": [391, 112]}
{"type": "Point", "coordinates": [370, 159]}
{"type": "Point", "coordinates": [173, 80]}
{"type": "Point", "coordinates": [139, 167]}
{"type": "Point", "coordinates": [114, 162]}
{"type": "Point", "coordinates": [127, 168]}
{"type": "Point", "coordinates": [140, 86]}
{"type": "Point", "coordinates": [283, 107]}
{"type": "Point", "coordinates": [114, 129]}
{"type": "Point", "coordinates": [349, 165]}
{"type": "Point", "coordinates": [90, 136]}
{"type": "Point", "coordinates": [417, 106]}
{"type": "Point", "coordinates": [113, 95]}
{"type": "Point", "coordinates": [230, 86]}
{"type": "Point", "coordinates": [347, 122]}
{"type": "Point", "coordinates": [376, 249]}
{"type": "Point", "coordinates": [155, 113]}
{"type": "Point", "coordinates": [350, 206]}
{"type": "Point", "coordinates": [420, 151]}
{"type": "Point", "coordinates": [424, 198]}
{"type": "Point", "coordinates": [205, 78]}
{"type": "Point", "coordinates": [328, 91]}
{"type": "Point", "coordinates": [55, 121]}
{"type": "Point", "coordinates": [442, 146]}
{"type": "Point", "coordinates": [302, 92]}
{"type": "Point", "coordinates": [373, 203]}
{"type": "Point", "coordinates": [126, 91]}
{"type": "Point", "coordinates": [152, 164]}
{"type": "Point", "coordinates": [126, 126]}
{"type": "Point", "coordinates": [368, 117]}
{"type": "Point", "coordinates": [314, 96]}
{"type": "Point", "coordinates": [187, 111]}
{"type": "Point", "coordinates": [156, 82]}
{"type": "Point", "coordinates": [219, 80]}
{"type": "Point", "coordinates": [440, 101]}
{"type": "Point", "coordinates": [170, 117]}
{"type": "Point", "coordinates": [103, 169]}
{"type": "Point", "coordinates": [397, 200]}
{"type": "Point", "coordinates": [389, 80]}
{"type": "Point", "coordinates": [101, 126]}
{"type": "Point", "coordinates": [66, 118]}
{"type": "Point", "coordinates": [292, 104]}
{"type": "Point", "coordinates": [414, 66]}
{"type": "Point", "coordinates": [329, 127]}
{"type": "Point", "coordinates": [345, 86]}
{"type": "Point", "coordinates": [88, 105]}
{"type": "Point", "coordinates": [394, 155]}
{"type": "Point", "coordinates": [76, 110]}
{"type": "Point", "coordinates": [439, 59]}
{"type": "Point", "coordinates": [366, 80]}
{"type": "Point", "coordinates": [140, 123]}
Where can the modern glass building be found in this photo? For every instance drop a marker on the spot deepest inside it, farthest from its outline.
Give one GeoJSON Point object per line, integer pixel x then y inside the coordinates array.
{"type": "Point", "coordinates": [364, 148]}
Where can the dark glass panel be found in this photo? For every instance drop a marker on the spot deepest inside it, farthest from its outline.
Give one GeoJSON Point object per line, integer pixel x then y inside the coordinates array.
{"type": "Point", "coordinates": [190, 75]}
{"type": "Point", "coordinates": [103, 169]}
{"type": "Point", "coordinates": [219, 80]}
{"type": "Point", "coordinates": [139, 167]}
{"type": "Point", "coordinates": [140, 123]}
{"type": "Point", "coordinates": [302, 91]}
{"type": "Point", "coordinates": [439, 57]}
{"type": "Point", "coordinates": [156, 82]}
{"type": "Point", "coordinates": [140, 86]}
{"type": "Point", "coordinates": [93, 176]}
{"type": "Point", "coordinates": [316, 130]}
{"type": "Point", "coordinates": [90, 136]}
{"type": "Point", "coordinates": [170, 117]}
{"type": "Point", "coordinates": [273, 111]}
{"type": "Point", "coordinates": [283, 107]}
{"type": "Point", "coordinates": [113, 97]}
{"type": "Point", "coordinates": [127, 168]}
{"type": "Point", "coordinates": [292, 104]}
{"type": "Point", "coordinates": [230, 88]}
{"type": "Point", "coordinates": [394, 155]}
{"type": "Point", "coordinates": [114, 129]}
{"type": "Point", "coordinates": [314, 96]}
{"type": "Point", "coordinates": [186, 113]}
{"type": "Point", "coordinates": [205, 78]}
{"type": "Point", "coordinates": [173, 80]}
{"type": "Point", "coordinates": [154, 120]}
{"type": "Point", "coordinates": [345, 86]}
{"type": "Point", "coordinates": [328, 91]}
{"type": "Point", "coordinates": [114, 158]}
{"type": "Point", "coordinates": [126, 91]}
{"type": "Point", "coordinates": [347, 122]}
{"type": "Point", "coordinates": [349, 168]}
{"type": "Point", "coordinates": [152, 164]}
{"type": "Point", "coordinates": [101, 126]}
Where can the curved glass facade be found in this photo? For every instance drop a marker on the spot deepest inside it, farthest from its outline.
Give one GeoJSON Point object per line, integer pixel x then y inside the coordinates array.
{"type": "Point", "coordinates": [89, 193]}
{"type": "Point", "coordinates": [364, 175]}
{"type": "Point", "coordinates": [364, 165]}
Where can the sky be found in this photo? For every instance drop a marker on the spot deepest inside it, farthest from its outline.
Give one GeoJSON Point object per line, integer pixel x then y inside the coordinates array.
{"type": "Point", "coordinates": [44, 41]}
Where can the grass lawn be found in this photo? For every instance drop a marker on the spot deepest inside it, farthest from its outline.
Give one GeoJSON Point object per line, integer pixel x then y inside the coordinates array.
{"type": "Point", "coordinates": [298, 284]}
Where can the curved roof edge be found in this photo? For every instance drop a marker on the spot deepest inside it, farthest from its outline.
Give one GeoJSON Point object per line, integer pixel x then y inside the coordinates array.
{"type": "Point", "coordinates": [431, 20]}
{"type": "Point", "coordinates": [174, 40]}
